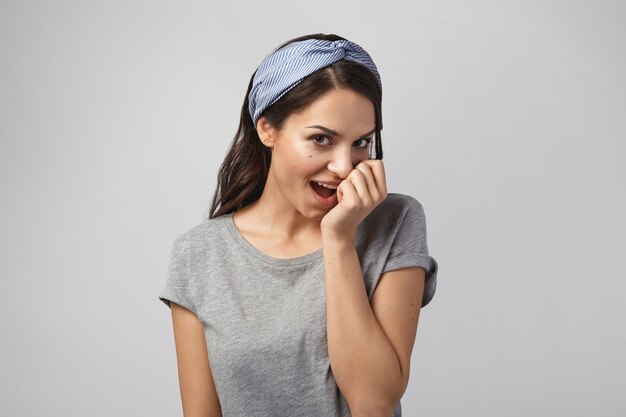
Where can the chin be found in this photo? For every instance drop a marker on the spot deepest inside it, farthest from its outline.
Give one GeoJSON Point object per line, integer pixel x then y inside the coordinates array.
{"type": "Point", "coordinates": [317, 214]}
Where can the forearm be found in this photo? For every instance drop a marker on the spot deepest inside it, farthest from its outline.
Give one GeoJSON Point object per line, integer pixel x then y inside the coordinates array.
{"type": "Point", "coordinates": [363, 361]}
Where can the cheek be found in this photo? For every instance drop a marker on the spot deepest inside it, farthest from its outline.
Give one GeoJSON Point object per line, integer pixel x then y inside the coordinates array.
{"type": "Point", "coordinates": [312, 161]}
{"type": "Point", "coordinates": [307, 167]}
{"type": "Point", "coordinates": [303, 160]}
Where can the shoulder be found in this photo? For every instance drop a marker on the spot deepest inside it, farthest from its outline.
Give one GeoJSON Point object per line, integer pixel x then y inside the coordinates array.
{"type": "Point", "coordinates": [393, 236]}
{"type": "Point", "coordinates": [394, 208]}
{"type": "Point", "coordinates": [396, 212]}
{"type": "Point", "coordinates": [401, 201]}
{"type": "Point", "coordinates": [201, 234]}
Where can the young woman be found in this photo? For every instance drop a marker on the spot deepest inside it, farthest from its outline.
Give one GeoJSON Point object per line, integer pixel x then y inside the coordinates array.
{"type": "Point", "coordinates": [300, 294]}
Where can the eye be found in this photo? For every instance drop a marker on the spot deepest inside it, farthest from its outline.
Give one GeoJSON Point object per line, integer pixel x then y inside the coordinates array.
{"type": "Point", "coordinates": [364, 142]}
{"type": "Point", "coordinates": [322, 138]}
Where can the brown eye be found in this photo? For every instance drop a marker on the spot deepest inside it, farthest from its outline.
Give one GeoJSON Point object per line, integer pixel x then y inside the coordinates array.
{"type": "Point", "coordinates": [364, 143]}
{"type": "Point", "coordinates": [319, 139]}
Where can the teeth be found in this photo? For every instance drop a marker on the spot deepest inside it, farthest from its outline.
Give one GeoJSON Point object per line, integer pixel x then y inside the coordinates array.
{"type": "Point", "coordinates": [327, 186]}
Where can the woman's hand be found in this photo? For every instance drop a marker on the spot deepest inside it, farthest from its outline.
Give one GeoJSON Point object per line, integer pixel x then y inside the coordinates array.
{"type": "Point", "coordinates": [357, 195]}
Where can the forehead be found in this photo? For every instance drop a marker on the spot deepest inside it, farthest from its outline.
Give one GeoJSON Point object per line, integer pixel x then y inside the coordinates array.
{"type": "Point", "coordinates": [340, 109]}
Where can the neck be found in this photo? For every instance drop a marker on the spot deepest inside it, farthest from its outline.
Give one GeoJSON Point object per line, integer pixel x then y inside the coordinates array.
{"type": "Point", "coordinates": [274, 214]}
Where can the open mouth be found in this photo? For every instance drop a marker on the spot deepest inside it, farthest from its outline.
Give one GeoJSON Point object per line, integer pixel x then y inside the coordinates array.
{"type": "Point", "coordinates": [326, 196]}
{"type": "Point", "coordinates": [321, 190]}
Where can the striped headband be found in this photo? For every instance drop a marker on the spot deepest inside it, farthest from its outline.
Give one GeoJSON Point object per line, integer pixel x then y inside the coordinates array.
{"type": "Point", "coordinates": [284, 68]}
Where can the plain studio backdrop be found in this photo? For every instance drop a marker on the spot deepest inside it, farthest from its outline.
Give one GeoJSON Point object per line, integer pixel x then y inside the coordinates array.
{"type": "Point", "coordinates": [506, 120]}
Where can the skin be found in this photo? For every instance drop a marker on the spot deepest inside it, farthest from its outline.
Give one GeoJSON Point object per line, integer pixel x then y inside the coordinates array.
{"type": "Point", "coordinates": [197, 388]}
{"type": "Point", "coordinates": [290, 214]}
{"type": "Point", "coordinates": [369, 341]}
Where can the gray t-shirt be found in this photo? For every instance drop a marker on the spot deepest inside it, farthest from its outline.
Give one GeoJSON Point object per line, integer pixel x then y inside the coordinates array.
{"type": "Point", "coordinates": [264, 318]}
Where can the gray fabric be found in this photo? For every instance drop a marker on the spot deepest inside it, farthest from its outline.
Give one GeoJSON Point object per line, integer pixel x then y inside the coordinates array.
{"type": "Point", "coordinates": [264, 318]}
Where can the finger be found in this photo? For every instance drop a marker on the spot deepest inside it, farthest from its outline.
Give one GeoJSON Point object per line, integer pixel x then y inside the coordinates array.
{"type": "Point", "coordinates": [366, 170]}
{"type": "Point", "coordinates": [378, 170]}
{"type": "Point", "coordinates": [346, 191]}
{"type": "Point", "coordinates": [360, 185]}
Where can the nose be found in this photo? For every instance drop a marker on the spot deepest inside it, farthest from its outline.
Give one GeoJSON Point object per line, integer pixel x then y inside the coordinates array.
{"type": "Point", "coordinates": [342, 162]}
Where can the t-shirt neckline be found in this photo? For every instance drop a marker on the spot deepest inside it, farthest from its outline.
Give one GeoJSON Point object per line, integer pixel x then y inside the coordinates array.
{"type": "Point", "coordinates": [252, 250]}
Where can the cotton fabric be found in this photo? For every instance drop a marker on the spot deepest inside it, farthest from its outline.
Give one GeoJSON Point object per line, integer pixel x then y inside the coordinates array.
{"type": "Point", "coordinates": [264, 318]}
{"type": "Point", "coordinates": [286, 67]}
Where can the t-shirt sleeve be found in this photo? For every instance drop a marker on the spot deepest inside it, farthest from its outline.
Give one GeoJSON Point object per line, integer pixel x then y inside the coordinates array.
{"type": "Point", "coordinates": [178, 284]}
{"type": "Point", "coordinates": [410, 248]}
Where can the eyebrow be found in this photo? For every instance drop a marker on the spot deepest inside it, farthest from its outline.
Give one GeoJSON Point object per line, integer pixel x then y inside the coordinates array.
{"type": "Point", "coordinates": [335, 133]}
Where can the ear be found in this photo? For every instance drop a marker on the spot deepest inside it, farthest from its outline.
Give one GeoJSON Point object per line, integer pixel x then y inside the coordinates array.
{"type": "Point", "coordinates": [266, 132]}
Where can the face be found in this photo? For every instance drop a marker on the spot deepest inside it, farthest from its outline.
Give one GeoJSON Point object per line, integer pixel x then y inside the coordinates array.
{"type": "Point", "coordinates": [323, 143]}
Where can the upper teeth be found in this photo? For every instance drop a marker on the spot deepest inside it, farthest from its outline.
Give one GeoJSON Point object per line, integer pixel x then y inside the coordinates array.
{"type": "Point", "coordinates": [332, 187]}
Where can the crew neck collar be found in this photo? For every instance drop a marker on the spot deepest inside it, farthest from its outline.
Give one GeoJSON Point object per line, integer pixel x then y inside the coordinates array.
{"type": "Point", "coordinates": [252, 250]}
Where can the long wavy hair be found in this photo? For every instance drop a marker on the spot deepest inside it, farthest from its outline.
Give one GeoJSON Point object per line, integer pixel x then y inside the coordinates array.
{"type": "Point", "coordinates": [243, 173]}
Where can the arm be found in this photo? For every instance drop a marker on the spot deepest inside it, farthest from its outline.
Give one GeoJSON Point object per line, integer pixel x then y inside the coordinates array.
{"type": "Point", "coordinates": [197, 388]}
{"type": "Point", "coordinates": [369, 346]}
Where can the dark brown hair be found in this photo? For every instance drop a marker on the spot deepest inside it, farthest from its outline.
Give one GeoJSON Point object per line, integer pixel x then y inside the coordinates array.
{"type": "Point", "coordinates": [243, 173]}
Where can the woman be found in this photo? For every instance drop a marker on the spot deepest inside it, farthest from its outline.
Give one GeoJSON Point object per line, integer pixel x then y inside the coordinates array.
{"type": "Point", "coordinates": [300, 294]}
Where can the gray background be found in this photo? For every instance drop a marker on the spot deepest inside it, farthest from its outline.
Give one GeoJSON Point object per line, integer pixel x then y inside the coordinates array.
{"type": "Point", "coordinates": [505, 119]}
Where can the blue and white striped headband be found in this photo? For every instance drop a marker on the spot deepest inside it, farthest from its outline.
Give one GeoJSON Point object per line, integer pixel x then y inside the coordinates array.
{"type": "Point", "coordinates": [284, 68]}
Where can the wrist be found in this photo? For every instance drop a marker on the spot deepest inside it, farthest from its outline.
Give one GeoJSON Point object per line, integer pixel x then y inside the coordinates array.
{"type": "Point", "coordinates": [338, 239]}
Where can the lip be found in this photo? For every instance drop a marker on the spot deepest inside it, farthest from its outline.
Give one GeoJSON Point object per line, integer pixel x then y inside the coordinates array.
{"type": "Point", "coordinates": [333, 183]}
{"type": "Point", "coordinates": [330, 201]}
